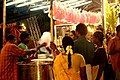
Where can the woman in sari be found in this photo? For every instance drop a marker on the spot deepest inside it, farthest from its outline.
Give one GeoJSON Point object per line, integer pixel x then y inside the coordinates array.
{"type": "Point", "coordinates": [100, 57]}
{"type": "Point", "coordinates": [68, 65]}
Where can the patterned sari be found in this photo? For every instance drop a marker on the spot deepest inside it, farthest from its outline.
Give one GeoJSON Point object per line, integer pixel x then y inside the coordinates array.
{"type": "Point", "coordinates": [61, 71]}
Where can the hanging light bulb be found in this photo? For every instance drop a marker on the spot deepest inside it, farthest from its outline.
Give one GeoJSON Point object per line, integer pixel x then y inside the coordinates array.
{"type": "Point", "coordinates": [23, 27]}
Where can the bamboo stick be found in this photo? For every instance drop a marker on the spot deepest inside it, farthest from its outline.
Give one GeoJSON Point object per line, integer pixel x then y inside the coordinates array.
{"type": "Point", "coordinates": [4, 21]}
{"type": "Point", "coordinates": [103, 10]}
{"type": "Point", "coordinates": [51, 19]}
{"type": "Point", "coordinates": [51, 24]}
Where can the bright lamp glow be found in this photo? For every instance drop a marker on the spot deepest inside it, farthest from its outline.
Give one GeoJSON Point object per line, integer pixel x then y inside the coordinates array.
{"type": "Point", "coordinates": [15, 2]}
{"type": "Point", "coordinates": [38, 8]}
{"type": "Point", "coordinates": [69, 1]}
{"type": "Point", "coordinates": [90, 29]}
{"type": "Point", "coordinates": [77, 5]}
{"type": "Point", "coordinates": [28, 3]}
{"type": "Point", "coordinates": [24, 4]}
{"type": "Point", "coordinates": [23, 27]}
{"type": "Point", "coordinates": [46, 11]}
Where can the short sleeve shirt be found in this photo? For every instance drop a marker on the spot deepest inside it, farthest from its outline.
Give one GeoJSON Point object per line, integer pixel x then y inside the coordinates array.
{"type": "Point", "coordinates": [85, 48]}
{"type": "Point", "coordinates": [114, 44]}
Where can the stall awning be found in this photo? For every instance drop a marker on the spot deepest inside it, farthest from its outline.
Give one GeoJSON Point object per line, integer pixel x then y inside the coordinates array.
{"type": "Point", "coordinates": [16, 13]}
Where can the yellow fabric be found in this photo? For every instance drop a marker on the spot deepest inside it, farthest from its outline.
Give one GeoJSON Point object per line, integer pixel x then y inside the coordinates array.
{"type": "Point", "coordinates": [60, 67]}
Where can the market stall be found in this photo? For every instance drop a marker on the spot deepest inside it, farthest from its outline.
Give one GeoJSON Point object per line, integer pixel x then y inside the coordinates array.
{"type": "Point", "coordinates": [65, 14]}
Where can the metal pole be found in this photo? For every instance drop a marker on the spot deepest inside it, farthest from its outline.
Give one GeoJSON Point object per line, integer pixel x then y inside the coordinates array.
{"type": "Point", "coordinates": [51, 19]}
{"type": "Point", "coordinates": [4, 21]}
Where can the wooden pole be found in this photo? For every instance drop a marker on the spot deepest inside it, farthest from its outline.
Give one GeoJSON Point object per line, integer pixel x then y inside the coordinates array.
{"type": "Point", "coordinates": [116, 1]}
{"type": "Point", "coordinates": [103, 10]}
{"type": "Point", "coordinates": [51, 19]}
{"type": "Point", "coordinates": [51, 24]}
{"type": "Point", "coordinates": [4, 21]}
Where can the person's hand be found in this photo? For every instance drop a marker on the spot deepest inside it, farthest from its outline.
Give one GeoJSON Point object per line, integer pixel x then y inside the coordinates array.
{"type": "Point", "coordinates": [33, 50]}
{"type": "Point", "coordinates": [53, 46]}
{"type": "Point", "coordinates": [41, 45]}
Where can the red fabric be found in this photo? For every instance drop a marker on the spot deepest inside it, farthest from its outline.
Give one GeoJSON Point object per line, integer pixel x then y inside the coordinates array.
{"type": "Point", "coordinates": [8, 61]}
{"type": "Point", "coordinates": [114, 44]}
{"type": "Point", "coordinates": [16, 32]}
{"type": "Point", "coordinates": [118, 62]}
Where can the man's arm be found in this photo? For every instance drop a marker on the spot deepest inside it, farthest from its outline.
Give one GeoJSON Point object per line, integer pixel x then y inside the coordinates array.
{"type": "Point", "coordinates": [54, 48]}
{"type": "Point", "coordinates": [16, 51]}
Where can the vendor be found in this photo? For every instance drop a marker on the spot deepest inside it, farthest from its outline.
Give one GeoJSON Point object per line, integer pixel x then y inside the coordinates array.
{"type": "Point", "coordinates": [24, 40]}
{"type": "Point", "coordinates": [9, 58]}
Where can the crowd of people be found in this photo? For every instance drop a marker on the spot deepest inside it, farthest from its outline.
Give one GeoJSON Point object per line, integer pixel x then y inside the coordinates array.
{"type": "Point", "coordinates": [81, 59]}
{"type": "Point", "coordinates": [90, 59]}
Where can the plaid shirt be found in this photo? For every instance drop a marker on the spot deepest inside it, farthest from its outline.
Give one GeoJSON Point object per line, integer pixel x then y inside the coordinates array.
{"type": "Point", "coordinates": [8, 61]}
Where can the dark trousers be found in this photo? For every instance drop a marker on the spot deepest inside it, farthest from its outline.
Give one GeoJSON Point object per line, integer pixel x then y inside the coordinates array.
{"type": "Point", "coordinates": [109, 74]}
